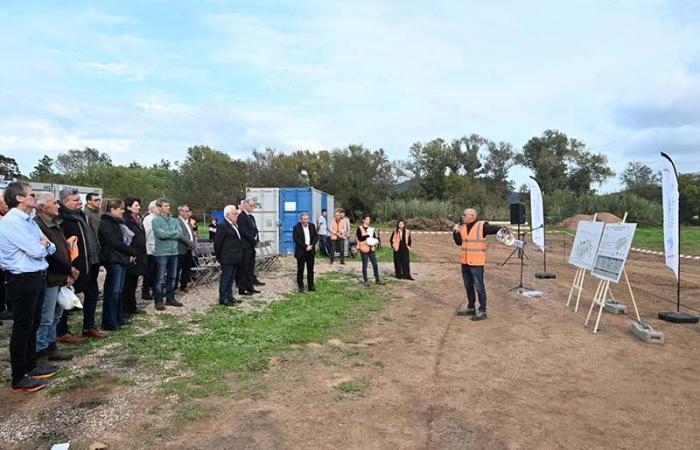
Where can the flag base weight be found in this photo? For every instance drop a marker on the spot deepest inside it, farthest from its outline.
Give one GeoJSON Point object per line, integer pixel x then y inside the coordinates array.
{"type": "Point", "coordinates": [644, 331]}
{"type": "Point", "coordinates": [545, 275]}
{"type": "Point", "coordinates": [614, 307]}
{"type": "Point", "coordinates": [678, 317]}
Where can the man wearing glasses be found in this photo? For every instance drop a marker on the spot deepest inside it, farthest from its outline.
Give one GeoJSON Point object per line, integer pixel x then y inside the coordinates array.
{"type": "Point", "coordinates": [23, 252]}
{"type": "Point", "coordinates": [471, 236]}
{"type": "Point", "coordinates": [93, 209]}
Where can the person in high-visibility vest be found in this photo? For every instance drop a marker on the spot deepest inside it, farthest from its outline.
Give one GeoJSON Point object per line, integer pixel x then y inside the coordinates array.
{"type": "Point", "coordinates": [471, 237]}
{"type": "Point", "coordinates": [339, 233]}
{"type": "Point", "coordinates": [367, 249]}
{"type": "Point", "coordinates": [401, 242]}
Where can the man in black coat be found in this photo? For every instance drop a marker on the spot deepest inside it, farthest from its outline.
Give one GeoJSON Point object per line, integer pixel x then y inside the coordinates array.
{"type": "Point", "coordinates": [250, 235]}
{"type": "Point", "coordinates": [305, 240]}
{"type": "Point", "coordinates": [75, 223]}
{"type": "Point", "coordinates": [228, 248]}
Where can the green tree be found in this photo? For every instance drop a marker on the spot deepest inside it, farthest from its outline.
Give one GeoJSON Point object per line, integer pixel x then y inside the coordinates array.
{"type": "Point", "coordinates": [44, 170]}
{"type": "Point", "coordinates": [562, 163]}
{"type": "Point", "coordinates": [640, 179]}
{"type": "Point", "coordinates": [431, 163]}
{"type": "Point", "coordinates": [75, 163]}
{"type": "Point", "coordinates": [209, 179]}
{"type": "Point", "coordinates": [689, 201]}
{"type": "Point", "coordinates": [9, 169]}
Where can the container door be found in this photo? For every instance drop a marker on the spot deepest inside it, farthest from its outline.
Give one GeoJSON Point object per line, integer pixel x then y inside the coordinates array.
{"type": "Point", "coordinates": [293, 201]}
{"type": "Point", "coordinates": [266, 214]}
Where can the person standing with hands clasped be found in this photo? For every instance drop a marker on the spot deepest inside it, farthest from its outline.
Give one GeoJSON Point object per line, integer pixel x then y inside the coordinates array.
{"type": "Point", "coordinates": [339, 233]}
{"type": "Point", "coordinates": [401, 244]}
{"type": "Point", "coordinates": [305, 240]}
{"type": "Point", "coordinates": [471, 236]}
{"type": "Point", "coordinates": [366, 245]}
{"type": "Point", "coordinates": [23, 252]}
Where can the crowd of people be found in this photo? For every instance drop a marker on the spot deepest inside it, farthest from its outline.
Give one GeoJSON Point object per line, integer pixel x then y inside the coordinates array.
{"type": "Point", "coordinates": [48, 245]}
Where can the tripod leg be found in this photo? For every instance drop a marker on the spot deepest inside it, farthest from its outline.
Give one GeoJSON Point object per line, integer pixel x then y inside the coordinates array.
{"type": "Point", "coordinates": [509, 256]}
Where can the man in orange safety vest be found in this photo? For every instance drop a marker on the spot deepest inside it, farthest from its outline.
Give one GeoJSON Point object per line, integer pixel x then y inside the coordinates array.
{"type": "Point", "coordinates": [471, 237]}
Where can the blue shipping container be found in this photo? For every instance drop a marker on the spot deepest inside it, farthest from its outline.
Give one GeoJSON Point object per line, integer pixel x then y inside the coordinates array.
{"type": "Point", "coordinates": [293, 201]}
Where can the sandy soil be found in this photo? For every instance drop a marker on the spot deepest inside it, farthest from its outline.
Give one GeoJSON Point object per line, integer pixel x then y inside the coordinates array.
{"type": "Point", "coordinates": [418, 376]}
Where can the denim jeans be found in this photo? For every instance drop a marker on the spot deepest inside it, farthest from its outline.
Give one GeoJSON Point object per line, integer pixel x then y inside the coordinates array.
{"type": "Point", "coordinates": [114, 286]}
{"type": "Point", "coordinates": [372, 257]}
{"type": "Point", "coordinates": [473, 277]}
{"type": "Point", "coordinates": [90, 297]}
{"type": "Point", "coordinates": [228, 274]}
{"type": "Point", "coordinates": [51, 313]}
{"type": "Point", "coordinates": [166, 276]}
{"type": "Point", "coordinates": [338, 246]}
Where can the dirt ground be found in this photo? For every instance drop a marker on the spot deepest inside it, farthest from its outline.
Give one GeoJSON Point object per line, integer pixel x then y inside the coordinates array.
{"type": "Point", "coordinates": [418, 376]}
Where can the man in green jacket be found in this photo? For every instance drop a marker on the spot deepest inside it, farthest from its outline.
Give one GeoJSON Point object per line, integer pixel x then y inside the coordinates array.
{"type": "Point", "coordinates": [92, 210]}
{"type": "Point", "coordinates": [167, 233]}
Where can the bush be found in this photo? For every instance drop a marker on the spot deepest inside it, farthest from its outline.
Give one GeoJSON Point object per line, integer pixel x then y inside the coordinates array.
{"type": "Point", "coordinates": [563, 204]}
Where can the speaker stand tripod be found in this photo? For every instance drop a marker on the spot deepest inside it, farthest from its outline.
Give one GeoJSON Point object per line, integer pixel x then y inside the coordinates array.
{"type": "Point", "coordinates": [519, 250]}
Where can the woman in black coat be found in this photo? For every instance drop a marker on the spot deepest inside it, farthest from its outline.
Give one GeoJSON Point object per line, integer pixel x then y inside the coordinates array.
{"type": "Point", "coordinates": [401, 244]}
{"type": "Point", "coordinates": [133, 221]}
{"type": "Point", "coordinates": [115, 254]}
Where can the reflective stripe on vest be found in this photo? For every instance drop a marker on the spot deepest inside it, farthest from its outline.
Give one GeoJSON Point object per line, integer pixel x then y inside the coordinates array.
{"type": "Point", "coordinates": [473, 244]}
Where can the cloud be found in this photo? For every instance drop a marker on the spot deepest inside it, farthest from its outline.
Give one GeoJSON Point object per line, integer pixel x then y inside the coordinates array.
{"type": "Point", "coordinates": [120, 70]}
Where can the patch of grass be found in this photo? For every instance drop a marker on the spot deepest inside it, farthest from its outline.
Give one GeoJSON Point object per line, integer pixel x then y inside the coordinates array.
{"type": "Point", "coordinates": [52, 437]}
{"type": "Point", "coordinates": [75, 381]}
{"type": "Point", "coordinates": [356, 388]}
{"type": "Point", "coordinates": [386, 254]}
{"type": "Point", "coordinates": [652, 238]}
{"type": "Point", "coordinates": [233, 341]}
{"type": "Point", "coordinates": [91, 403]}
{"type": "Point", "coordinates": [188, 413]}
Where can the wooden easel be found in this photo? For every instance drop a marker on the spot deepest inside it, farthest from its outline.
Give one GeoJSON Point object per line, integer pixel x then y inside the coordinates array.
{"type": "Point", "coordinates": [578, 282]}
{"type": "Point", "coordinates": [601, 294]}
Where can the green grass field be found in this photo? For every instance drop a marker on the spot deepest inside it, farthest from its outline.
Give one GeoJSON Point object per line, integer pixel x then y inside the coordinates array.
{"type": "Point", "coordinates": [652, 238]}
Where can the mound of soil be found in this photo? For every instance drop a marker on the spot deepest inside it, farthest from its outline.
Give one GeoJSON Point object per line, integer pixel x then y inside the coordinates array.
{"type": "Point", "coordinates": [428, 224]}
{"type": "Point", "coordinates": [570, 223]}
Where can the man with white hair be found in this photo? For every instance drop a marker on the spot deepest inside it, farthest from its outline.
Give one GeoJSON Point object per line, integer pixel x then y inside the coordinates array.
{"type": "Point", "coordinates": [150, 275]}
{"type": "Point", "coordinates": [59, 273]}
{"type": "Point", "coordinates": [471, 236]}
{"type": "Point", "coordinates": [228, 248]}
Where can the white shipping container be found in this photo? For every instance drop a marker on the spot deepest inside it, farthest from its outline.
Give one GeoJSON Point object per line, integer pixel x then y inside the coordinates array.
{"type": "Point", "coordinates": [266, 214]}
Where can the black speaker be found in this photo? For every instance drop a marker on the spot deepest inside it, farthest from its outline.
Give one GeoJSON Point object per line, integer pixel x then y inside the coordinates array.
{"type": "Point", "coordinates": [517, 213]}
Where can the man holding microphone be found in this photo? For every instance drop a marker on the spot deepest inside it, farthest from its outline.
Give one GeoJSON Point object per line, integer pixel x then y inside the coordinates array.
{"type": "Point", "coordinates": [471, 236]}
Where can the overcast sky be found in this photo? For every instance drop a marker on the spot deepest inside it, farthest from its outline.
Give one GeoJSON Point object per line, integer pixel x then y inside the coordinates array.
{"type": "Point", "coordinates": [144, 80]}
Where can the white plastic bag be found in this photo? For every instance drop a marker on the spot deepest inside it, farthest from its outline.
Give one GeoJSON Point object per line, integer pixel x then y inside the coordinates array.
{"type": "Point", "coordinates": [67, 298]}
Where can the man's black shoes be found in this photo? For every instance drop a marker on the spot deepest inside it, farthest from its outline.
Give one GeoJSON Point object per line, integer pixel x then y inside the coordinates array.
{"type": "Point", "coordinates": [466, 312]}
{"type": "Point", "coordinates": [480, 316]}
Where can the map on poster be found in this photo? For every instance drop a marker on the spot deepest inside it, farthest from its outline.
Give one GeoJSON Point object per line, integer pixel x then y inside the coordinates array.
{"type": "Point", "coordinates": [613, 251]}
{"type": "Point", "coordinates": [586, 244]}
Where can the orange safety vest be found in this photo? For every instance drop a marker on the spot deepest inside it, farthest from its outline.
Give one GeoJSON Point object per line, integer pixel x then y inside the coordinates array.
{"type": "Point", "coordinates": [337, 229]}
{"type": "Point", "coordinates": [473, 244]}
{"type": "Point", "coordinates": [362, 245]}
{"type": "Point", "coordinates": [396, 240]}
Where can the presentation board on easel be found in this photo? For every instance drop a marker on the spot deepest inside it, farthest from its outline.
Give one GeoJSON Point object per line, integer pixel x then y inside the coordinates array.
{"type": "Point", "coordinates": [613, 250]}
{"type": "Point", "coordinates": [609, 265]}
{"type": "Point", "coordinates": [583, 252]}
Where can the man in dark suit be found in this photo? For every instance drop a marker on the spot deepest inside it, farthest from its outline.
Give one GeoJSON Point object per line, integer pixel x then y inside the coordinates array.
{"type": "Point", "coordinates": [228, 248]}
{"type": "Point", "coordinates": [185, 245]}
{"type": "Point", "coordinates": [305, 240]}
{"type": "Point", "coordinates": [250, 236]}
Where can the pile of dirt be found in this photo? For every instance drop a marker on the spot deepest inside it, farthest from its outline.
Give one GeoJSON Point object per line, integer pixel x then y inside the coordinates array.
{"type": "Point", "coordinates": [428, 224]}
{"type": "Point", "coordinates": [570, 223]}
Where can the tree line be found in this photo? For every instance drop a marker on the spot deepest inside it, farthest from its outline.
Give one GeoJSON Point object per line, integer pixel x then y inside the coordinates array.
{"type": "Point", "coordinates": [470, 170]}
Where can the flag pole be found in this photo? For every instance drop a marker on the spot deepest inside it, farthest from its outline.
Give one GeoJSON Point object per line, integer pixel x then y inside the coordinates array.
{"type": "Point", "coordinates": [678, 317]}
